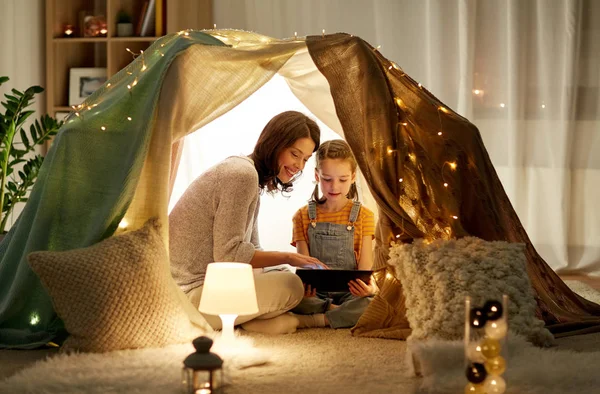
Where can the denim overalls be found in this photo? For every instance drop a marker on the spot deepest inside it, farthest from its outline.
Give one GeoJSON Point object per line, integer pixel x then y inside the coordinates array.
{"type": "Point", "coordinates": [333, 244]}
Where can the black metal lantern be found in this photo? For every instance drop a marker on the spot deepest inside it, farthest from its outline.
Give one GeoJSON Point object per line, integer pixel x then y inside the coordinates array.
{"type": "Point", "coordinates": [202, 370]}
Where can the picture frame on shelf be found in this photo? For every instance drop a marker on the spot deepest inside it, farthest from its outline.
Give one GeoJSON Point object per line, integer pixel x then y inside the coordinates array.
{"type": "Point", "coordinates": [85, 81]}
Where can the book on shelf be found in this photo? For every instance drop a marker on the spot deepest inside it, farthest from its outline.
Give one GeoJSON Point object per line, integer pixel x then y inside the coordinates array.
{"type": "Point", "coordinates": [138, 29]}
{"type": "Point", "coordinates": [160, 20]}
{"type": "Point", "coordinates": [148, 24]}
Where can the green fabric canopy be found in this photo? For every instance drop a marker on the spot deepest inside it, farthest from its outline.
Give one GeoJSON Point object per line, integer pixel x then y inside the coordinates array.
{"type": "Point", "coordinates": [84, 188]}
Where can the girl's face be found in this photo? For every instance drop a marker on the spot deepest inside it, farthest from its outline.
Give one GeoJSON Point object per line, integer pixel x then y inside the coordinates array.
{"type": "Point", "coordinates": [335, 178]}
{"type": "Point", "coordinates": [292, 159]}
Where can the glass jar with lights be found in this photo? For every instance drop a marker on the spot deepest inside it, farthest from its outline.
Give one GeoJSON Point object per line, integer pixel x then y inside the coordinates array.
{"type": "Point", "coordinates": [202, 371]}
{"type": "Point", "coordinates": [486, 353]}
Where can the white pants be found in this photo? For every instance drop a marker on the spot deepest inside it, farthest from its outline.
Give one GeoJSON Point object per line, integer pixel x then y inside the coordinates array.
{"type": "Point", "coordinates": [276, 293]}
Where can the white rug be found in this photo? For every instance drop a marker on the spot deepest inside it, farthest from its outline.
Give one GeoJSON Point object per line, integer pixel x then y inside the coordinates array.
{"type": "Point", "coordinates": [313, 361]}
{"type": "Point", "coordinates": [127, 371]}
{"type": "Point", "coordinates": [530, 370]}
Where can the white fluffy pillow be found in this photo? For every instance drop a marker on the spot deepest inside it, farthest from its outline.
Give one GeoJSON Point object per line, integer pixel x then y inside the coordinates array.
{"type": "Point", "coordinates": [437, 276]}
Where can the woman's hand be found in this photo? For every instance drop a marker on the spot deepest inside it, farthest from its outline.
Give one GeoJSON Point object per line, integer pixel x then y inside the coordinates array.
{"type": "Point", "coordinates": [302, 261]}
{"type": "Point", "coordinates": [361, 289]}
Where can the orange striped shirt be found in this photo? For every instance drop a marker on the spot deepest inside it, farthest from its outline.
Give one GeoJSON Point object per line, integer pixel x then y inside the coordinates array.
{"type": "Point", "coordinates": [364, 225]}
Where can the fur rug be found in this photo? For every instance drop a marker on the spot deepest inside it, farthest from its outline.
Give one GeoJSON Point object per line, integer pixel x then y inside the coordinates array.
{"type": "Point", "coordinates": [530, 369]}
{"type": "Point", "coordinates": [125, 371]}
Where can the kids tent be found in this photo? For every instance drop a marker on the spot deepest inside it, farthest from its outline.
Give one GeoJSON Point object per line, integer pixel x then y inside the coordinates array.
{"type": "Point", "coordinates": [115, 159]}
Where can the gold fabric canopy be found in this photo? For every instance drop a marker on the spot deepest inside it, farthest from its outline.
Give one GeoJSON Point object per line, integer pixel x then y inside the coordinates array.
{"type": "Point", "coordinates": [431, 176]}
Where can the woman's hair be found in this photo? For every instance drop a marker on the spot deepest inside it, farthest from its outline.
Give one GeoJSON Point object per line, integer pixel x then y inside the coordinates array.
{"type": "Point", "coordinates": [280, 133]}
{"type": "Point", "coordinates": [335, 149]}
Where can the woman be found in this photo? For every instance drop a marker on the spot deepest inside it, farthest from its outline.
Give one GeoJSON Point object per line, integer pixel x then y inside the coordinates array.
{"type": "Point", "coordinates": [216, 220]}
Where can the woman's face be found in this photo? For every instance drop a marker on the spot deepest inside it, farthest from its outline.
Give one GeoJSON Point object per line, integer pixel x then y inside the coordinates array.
{"type": "Point", "coordinates": [292, 159]}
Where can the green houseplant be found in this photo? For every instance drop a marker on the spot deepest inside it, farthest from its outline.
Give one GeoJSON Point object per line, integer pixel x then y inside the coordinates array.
{"type": "Point", "coordinates": [19, 163]}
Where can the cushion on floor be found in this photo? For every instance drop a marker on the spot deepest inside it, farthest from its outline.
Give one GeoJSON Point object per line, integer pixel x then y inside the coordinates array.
{"type": "Point", "coordinates": [116, 294]}
{"type": "Point", "coordinates": [437, 276]}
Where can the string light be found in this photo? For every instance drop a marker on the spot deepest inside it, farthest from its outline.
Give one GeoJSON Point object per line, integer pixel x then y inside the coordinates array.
{"type": "Point", "coordinates": [502, 105]}
{"type": "Point", "coordinates": [34, 319]}
{"type": "Point", "coordinates": [378, 47]}
{"type": "Point", "coordinates": [187, 33]}
{"type": "Point", "coordinates": [444, 110]}
{"type": "Point", "coordinates": [108, 85]}
{"type": "Point", "coordinates": [439, 133]}
{"type": "Point", "coordinates": [543, 106]}
{"type": "Point", "coordinates": [388, 275]}
{"type": "Point", "coordinates": [215, 26]}
{"type": "Point", "coordinates": [295, 35]}
{"type": "Point", "coordinates": [478, 92]}
{"type": "Point", "coordinates": [420, 86]}
{"type": "Point", "coordinates": [323, 33]}
{"type": "Point", "coordinates": [129, 87]}
{"type": "Point", "coordinates": [129, 118]}
{"type": "Point", "coordinates": [404, 124]}
{"type": "Point", "coordinates": [452, 165]}
{"type": "Point", "coordinates": [412, 157]}
{"type": "Point", "coordinates": [123, 224]}
{"type": "Point", "coordinates": [445, 184]}
{"type": "Point", "coordinates": [401, 180]}
{"type": "Point", "coordinates": [454, 217]}
{"type": "Point", "coordinates": [390, 150]}
{"type": "Point", "coordinates": [103, 128]}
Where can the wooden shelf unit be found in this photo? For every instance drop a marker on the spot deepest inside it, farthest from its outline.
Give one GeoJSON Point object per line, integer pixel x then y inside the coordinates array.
{"type": "Point", "coordinates": [64, 53]}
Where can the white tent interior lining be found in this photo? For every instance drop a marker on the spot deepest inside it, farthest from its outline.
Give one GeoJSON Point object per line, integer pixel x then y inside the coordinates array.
{"type": "Point", "coordinates": [297, 86]}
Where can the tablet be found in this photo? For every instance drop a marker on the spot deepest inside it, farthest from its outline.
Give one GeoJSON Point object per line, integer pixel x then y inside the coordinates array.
{"type": "Point", "coordinates": [332, 280]}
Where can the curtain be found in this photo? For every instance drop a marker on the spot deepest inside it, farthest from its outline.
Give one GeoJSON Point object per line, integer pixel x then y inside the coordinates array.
{"type": "Point", "coordinates": [526, 73]}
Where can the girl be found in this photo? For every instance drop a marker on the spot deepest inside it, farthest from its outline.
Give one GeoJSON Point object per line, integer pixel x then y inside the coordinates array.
{"type": "Point", "coordinates": [216, 220]}
{"type": "Point", "coordinates": [337, 230]}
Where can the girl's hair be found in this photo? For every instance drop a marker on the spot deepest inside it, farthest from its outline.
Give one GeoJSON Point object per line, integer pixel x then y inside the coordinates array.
{"type": "Point", "coordinates": [280, 133]}
{"type": "Point", "coordinates": [335, 149]}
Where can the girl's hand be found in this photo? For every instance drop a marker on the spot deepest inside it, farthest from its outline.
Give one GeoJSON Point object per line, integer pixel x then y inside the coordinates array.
{"type": "Point", "coordinates": [361, 289]}
{"type": "Point", "coordinates": [302, 261]}
{"type": "Point", "coordinates": [309, 292]}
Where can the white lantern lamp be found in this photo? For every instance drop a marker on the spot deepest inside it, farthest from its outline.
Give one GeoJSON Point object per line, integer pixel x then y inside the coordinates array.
{"type": "Point", "coordinates": [228, 292]}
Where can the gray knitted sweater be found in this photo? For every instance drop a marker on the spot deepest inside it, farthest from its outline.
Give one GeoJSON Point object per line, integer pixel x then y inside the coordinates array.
{"type": "Point", "coordinates": [215, 220]}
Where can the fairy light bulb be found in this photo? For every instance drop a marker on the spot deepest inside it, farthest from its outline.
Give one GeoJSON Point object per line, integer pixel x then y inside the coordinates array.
{"type": "Point", "coordinates": [295, 35]}
{"type": "Point", "coordinates": [390, 150]}
{"type": "Point", "coordinates": [445, 184]}
{"type": "Point", "coordinates": [129, 118]}
{"type": "Point", "coordinates": [129, 87]}
{"type": "Point", "coordinates": [323, 33]}
{"type": "Point", "coordinates": [439, 133]}
{"type": "Point", "coordinates": [103, 128]}
{"type": "Point", "coordinates": [543, 106]}
{"type": "Point", "coordinates": [34, 319]}
{"type": "Point", "coordinates": [444, 110]}
{"type": "Point", "coordinates": [123, 224]}
{"type": "Point", "coordinates": [144, 67]}
{"type": "Point", "coordinates": [108, 85]}
{"type": "Point", "coordinates": [401, 180]}
{"type": "Point", "coordinates": [215, 26]}
{"type": "Point", "coordinates": [388, 276]}
{"type": "Point", "coordinates": [454, 217]}
{"type": "Point", "coordinates": [419, 85]}
{"type": "Point", "coordinates": [502, 105]}
{"type": "Point", "coordinates": [452, 165]}
{"type": "Point", "coordinates": [404, 124]}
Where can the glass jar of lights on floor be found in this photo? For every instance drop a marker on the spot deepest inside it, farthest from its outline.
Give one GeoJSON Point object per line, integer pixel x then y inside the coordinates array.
{"type": "Point", "coordinates": [486, 353]}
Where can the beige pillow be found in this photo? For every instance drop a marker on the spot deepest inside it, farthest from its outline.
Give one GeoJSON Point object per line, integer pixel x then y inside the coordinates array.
{"type": "Point", "coordinates": [437, 276]}
{"type": "Point", "coordinates": [116, 294]}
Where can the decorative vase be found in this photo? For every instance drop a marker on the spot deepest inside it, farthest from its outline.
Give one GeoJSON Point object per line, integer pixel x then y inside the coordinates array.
{"type": "Point", "coordinates": [124, 29]}
{"type": "Point", "coordinates": [486, 329]}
